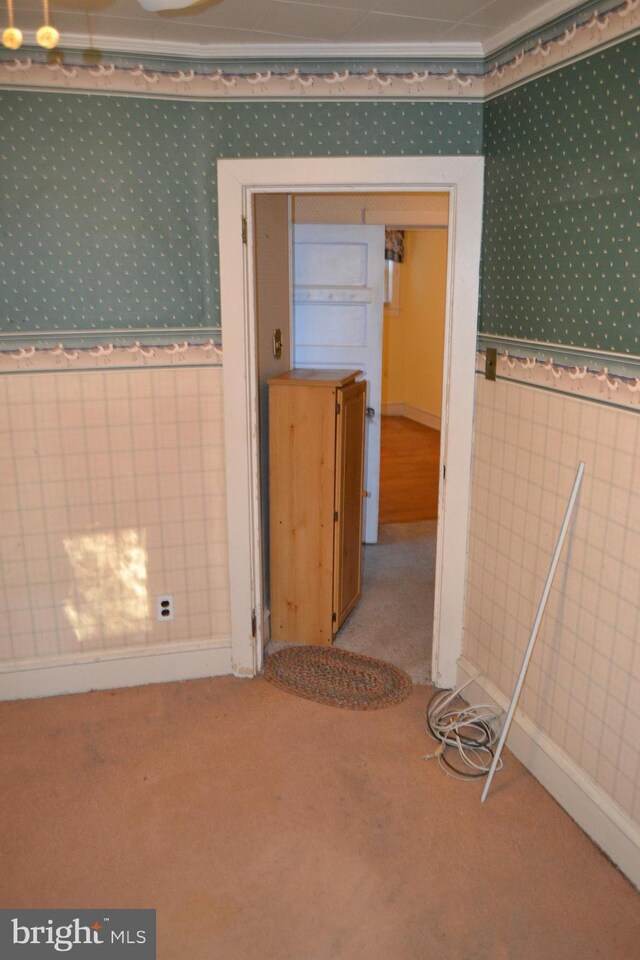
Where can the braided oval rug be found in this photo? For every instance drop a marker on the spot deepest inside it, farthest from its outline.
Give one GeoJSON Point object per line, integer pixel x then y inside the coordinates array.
{"type": "Point", "coordinates": [337, 677]}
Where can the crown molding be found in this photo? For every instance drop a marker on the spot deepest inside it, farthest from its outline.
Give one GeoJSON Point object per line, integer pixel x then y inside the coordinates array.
{"type": "Point", "coordinates": [552, 11]}
{"type": "Point", "coordinates": [272, 51]}
{"type": "Point", "coordinates": [535, 21]}
{"type": "Point", "coordinates": [183, 76]}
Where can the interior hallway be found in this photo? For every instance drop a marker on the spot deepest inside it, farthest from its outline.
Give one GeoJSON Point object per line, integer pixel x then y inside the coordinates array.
{"type": "Point", "coordinates": [394, 618]}
{"type": "Point", "coordinates": [263, 826]}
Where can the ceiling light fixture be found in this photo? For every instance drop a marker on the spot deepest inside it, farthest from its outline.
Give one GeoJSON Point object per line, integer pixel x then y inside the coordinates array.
{"type": "Point", "coordinates": [12, 37]}
{"type": "Point", "coordinates": [156, 6]}
{"type": "Point", "coordinates": [47, 36]}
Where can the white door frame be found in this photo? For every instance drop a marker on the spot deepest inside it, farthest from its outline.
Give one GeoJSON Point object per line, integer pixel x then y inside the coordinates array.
{"type": "Point", "coordinates": [238, 180]}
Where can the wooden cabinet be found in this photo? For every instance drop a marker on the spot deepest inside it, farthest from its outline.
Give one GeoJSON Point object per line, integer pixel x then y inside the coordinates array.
{"type": "Point", "coordinates": [316, 461]}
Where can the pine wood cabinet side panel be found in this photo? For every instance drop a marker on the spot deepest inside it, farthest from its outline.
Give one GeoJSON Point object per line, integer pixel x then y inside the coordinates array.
{"type": "Point", "coordinates": [302, 469]}
{"type": "Point", "coordinates": [349, 487]}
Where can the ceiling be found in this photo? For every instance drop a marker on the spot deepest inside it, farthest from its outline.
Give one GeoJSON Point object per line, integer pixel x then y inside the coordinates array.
{"type": "Point", "coordinates": [295, 27]}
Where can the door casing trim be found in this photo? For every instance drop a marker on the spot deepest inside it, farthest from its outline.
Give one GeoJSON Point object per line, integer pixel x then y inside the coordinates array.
{"type": "Point", "coordinates": [238, 180]}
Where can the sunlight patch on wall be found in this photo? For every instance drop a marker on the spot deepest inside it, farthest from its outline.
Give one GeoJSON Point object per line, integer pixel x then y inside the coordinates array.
{"type": "Point", "coordinates": [110, 571]}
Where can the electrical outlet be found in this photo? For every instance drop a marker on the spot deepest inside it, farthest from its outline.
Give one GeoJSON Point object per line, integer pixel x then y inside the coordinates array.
{"type": "Point", "coordinates": [164, 607]}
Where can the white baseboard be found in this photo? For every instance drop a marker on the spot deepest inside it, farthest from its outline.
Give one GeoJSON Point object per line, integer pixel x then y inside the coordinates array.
{"type": "Point", "coordinates": [54, 676]}
{"type": "Point", "coordinates": [587, 803]}
{"type": "Point", "coordinates": [422, 416]}
{"type": "Point", "coordinates": [393, 409]}
{"type": "Point", "coordinates": [412, 413]}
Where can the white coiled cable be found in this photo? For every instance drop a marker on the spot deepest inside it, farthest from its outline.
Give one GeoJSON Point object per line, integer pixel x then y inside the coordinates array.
{"type": "Point", "coordinates": [470, 732]}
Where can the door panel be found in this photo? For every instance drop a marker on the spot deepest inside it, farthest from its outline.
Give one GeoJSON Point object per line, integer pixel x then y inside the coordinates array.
{"type": "Point", "coordinates": [340, 324]}
{"type": "Point", "coordinates": [337, 358]}
{"type": "Point", "coordinates": [330, 261]}
{"type": "Point", "coordinates": [302, 435]}
{"type": "Point", "coordinates": [337, 320]}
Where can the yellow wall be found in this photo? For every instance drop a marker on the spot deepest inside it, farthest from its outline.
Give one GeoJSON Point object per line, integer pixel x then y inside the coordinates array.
{"type": "Point", "coordinates": [414, 340]}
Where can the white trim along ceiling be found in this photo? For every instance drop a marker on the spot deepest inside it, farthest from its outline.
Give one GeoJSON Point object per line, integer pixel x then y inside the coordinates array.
{"type": "Point", "coordinates": [549, 35]}
{"type": "Point", "coordinates": [296, 28]}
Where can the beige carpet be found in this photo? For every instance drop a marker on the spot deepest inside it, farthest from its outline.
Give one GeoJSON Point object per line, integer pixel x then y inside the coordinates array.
{"type": "Point", "coordinates": [394, 619]}
{"type": "Point", "coordinates": [265, 827]}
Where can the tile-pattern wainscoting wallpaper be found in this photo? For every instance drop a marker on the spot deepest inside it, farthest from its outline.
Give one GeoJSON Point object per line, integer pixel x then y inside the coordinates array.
{"type": "Point", "coordinates": [112, 492]}
{"type": "Point", "coordinates": [583, 684]}
{"type": "Point", "coordinates": [561, 226]}
{"type": "Point", "coordinates": [109, 212]}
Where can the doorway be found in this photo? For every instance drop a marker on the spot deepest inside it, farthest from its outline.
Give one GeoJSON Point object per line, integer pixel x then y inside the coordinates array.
{"type": "Point", "coordinates": [395, 616]}
{"type": "Point", "coordinates": [239, 181]}
{"type": "Point", "coordinates": [345, 246]}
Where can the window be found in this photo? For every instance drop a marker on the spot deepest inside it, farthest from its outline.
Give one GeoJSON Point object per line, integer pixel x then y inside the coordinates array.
{"type": "Point", "coordinates": [392, 287]}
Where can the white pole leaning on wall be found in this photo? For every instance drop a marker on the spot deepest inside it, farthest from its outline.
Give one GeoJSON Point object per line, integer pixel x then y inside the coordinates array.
{"type": "Point", "coordinates": [536, 626]}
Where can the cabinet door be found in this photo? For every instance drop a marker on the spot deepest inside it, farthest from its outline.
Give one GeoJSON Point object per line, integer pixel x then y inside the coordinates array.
{"type": "Point", "coordinates": [347, 571]}
{"type": "Point", "coordinates": [302, 491]}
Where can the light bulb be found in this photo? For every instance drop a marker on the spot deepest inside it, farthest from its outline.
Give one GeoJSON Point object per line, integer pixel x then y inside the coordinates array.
{"type": "Point", "coordinates": [12, 38]}
{"type": "Point", "coordinates": [47, 37]}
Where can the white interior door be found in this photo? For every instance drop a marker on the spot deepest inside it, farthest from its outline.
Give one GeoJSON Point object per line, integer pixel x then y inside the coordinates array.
{"type": "Point", "coordinates": [338, 280]}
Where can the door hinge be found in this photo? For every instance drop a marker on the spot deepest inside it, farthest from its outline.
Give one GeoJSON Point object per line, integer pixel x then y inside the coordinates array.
{"type": "Point", "coordinates": [254, 624]}
{"type": "Point", "coordinates": [444, 471]}
{"type": "Point", "coordinates": [337, 407]}
{"type": "Point", "coordinates": [334, 617]}
{"type": "Point", "coordinates": [244, 229]}
{"type": "Point", "coordinates": [335, 517]}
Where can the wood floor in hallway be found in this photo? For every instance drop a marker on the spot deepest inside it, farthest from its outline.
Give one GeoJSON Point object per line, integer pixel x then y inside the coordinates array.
{"type": "Point", "coordinates": [261, 826]}
{"type": "Point", "coordinates": [409, 471]}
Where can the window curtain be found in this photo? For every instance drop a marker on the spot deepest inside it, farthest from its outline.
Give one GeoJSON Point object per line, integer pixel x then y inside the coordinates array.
{"type": "Point", "coordinates": [394, 245]}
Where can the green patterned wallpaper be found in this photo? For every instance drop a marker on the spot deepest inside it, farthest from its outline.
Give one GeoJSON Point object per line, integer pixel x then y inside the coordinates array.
{"type": "Point", "coordinates": [561, 257]}
{"type": "Point", "coordinates": [108, 204]}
